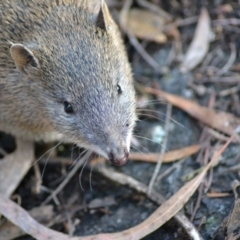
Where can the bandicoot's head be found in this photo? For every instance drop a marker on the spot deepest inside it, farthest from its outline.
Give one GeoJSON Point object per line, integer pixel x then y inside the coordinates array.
{"type": "Point", "coordinates": [83, 79]}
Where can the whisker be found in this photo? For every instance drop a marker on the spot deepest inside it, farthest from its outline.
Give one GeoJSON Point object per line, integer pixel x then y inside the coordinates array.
{"type": "Point", "coordinates": [99, 170]}
{"type": "Point", "coordinates": [45, 164]}
{"type": "Point", "coordinates": [139, 106]}
{"type": "Point", "coordinates": [77, 159]}
{"type": "Point", "coordinates": [90, 178]}
{"type": "Point", "coordinates": [72, 148]}
{"type": "Point", "coordinates": [151, 116]}
{"type": "Point", "coordinates": [172, 119]}
{"type": "Point", "coordinates": [134, 146]}
{"type": "Point", "coordinates": [149, 103]}
{"type": "Point", "coordinates": [150, 110]}
{"type": "Point", "coordinates": [80, 175]}
{"type": "Point", "coordinates": [151, 141]}
{"type": "Point", "coordinates": [71, 155]}
{"type": "Point", "coordinates": [50, 150]}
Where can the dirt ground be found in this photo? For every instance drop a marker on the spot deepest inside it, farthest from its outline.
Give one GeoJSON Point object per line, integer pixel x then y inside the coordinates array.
{"type": "Point", "coordinates": [92, 203]}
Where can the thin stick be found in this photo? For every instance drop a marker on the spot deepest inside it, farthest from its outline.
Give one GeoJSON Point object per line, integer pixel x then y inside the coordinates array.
{"type": "Point", "coordinates": [159, 163]}
{"type": "Point", "coordinates": [143, 53]}
{"type": "Point", "coordinates": [66, 180]}
{"type": "Point", "coordinates": [133, 40]}
{"type": "Point", "coordinates": [156, 9]}
{"type": "Point", "coordinates": [230, 61]}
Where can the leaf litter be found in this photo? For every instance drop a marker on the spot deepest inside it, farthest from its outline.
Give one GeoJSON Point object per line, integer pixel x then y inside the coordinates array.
{"type": "Point", "coordinates": [147, 24]}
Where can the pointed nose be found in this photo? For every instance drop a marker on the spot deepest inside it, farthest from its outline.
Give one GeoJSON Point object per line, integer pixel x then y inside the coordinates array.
{"type": "Point", "coordinates": [118, 159]}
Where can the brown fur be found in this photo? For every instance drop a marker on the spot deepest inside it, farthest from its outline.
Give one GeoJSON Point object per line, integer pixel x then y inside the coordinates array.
{"type": "Point", "coordinates": [65, 51]}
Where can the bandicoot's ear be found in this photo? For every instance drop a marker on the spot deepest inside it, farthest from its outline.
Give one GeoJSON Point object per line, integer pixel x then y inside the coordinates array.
{"type": "Point", "coordinates": [104, 19]}
{"type": "Point", "coordinates": [23, 57]}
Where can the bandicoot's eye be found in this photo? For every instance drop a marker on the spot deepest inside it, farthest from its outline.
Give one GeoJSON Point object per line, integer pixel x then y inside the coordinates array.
{"type": "Point", "coordinates": [68, 107]}
{"type": "Point", "coordinates": [119, 89]}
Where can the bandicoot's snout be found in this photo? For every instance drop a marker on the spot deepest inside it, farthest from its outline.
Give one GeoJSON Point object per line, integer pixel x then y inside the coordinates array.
{"type": "Point", "coordinates": [117, 150]}
{"type": "Point", "coordinates": [118, 159]}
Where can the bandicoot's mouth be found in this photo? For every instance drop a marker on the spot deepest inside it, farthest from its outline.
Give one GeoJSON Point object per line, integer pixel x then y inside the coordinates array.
{"type": "Point", "coordinates": [119, 160]}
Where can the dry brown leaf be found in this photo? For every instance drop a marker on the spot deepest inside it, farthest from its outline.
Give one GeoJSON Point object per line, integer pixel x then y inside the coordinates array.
{"type": "Point", "coordinates": [200, 43]}
{"type": "Point", "coordinates": [171, 156]}
{"type": "Point", "coordinates": [14, 166]}
{"type": "Point", "coordinates": [222, 121]}
{"type": "Point", "coordinates": [144, 25]}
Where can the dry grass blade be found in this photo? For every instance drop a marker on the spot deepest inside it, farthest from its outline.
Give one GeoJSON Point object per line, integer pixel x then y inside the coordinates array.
{"type": "Point", "coordinates": [171, 156]}
{"type": "Point", "coordinates": [200, 43]}
{"type": "Point", "coordinates": [222, 121]}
